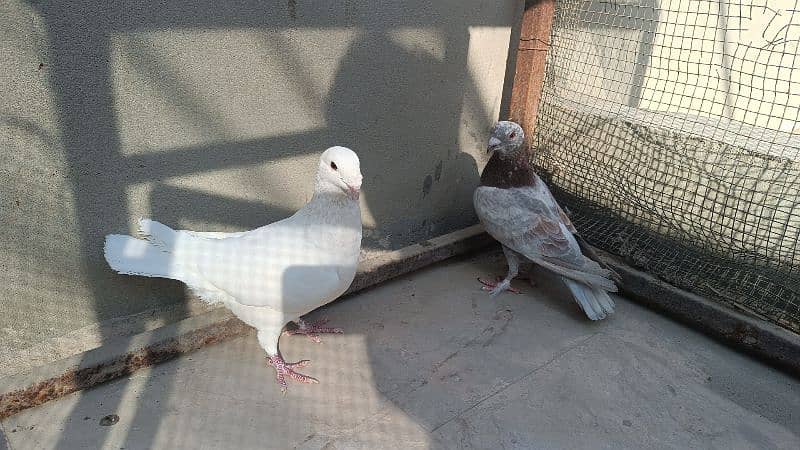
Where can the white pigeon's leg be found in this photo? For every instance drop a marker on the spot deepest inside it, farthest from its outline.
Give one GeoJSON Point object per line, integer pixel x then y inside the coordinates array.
{"type": "Point", "coordinates": [269, 342]}
{"type": "Point", "coordinates": [513, 271]}
{"type": "Point", "coordinates": [312, 330]}
{"type": "Point", "coordinates": [269, 324]}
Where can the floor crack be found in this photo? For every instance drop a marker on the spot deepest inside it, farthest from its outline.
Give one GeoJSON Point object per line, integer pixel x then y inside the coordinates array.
{"type": "Point", "coordinates": [4, 444]}
{"type": "Point", "coordinates": [492, 334]}
{"type": "Point", "coordinates": [515, 381]}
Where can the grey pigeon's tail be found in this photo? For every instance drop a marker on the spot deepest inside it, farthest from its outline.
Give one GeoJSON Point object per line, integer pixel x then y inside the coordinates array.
{"type": "Point", "coordinates": [589, 252]}
{"type": "Point", "coordinates": [595, 302]}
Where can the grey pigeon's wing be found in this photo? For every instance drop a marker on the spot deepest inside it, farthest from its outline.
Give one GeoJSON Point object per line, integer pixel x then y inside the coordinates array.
{"type": "Point", "coordinates": [547, 197]}
{"type": "Point", "coordinates": [524, 220]}
{"type": "Point", "coordinates": [585, 248]}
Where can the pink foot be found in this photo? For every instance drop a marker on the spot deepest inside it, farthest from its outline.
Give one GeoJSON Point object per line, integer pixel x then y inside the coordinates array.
{"type": "Point", "coordinates": [284, 369]}
{"type": "Point", "coordinates": [489, 286]}
{"type": "Point", "coordinates": [313, 330]}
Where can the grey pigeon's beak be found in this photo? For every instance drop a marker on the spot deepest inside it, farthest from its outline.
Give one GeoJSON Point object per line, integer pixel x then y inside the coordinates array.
{"type": "Point", "coordinates": [493, 144]}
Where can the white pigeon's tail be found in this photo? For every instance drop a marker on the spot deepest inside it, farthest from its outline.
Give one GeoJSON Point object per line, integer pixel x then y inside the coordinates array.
{"type": "Point", "coordinates": [131, 256]}
{"type": "Point", "coordinates": [158, 234]}
{"type": "Point", "coordinates": [595, 302]}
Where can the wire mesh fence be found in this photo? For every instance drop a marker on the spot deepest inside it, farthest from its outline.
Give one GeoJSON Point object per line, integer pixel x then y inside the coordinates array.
{"type": "Point", "coordinates": [670, 129]}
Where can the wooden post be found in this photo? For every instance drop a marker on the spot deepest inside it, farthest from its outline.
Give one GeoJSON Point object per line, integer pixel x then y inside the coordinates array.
{"type": "Point", "coordinates": [534, 41]}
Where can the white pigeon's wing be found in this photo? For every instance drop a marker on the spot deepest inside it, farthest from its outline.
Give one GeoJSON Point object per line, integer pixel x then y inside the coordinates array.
{"type": "Point", "coordinates": [214, 234]}
{"type": "Point", "coordinates": [527, 223]}
{"type": "Point", "coordinates": [279, 266]}
{"type": "Point", "coordinates": [305, 288]}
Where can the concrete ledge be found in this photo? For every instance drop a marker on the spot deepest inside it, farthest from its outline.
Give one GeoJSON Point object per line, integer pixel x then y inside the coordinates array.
{"type": "Point", "coordinates": [124, 355]}
{"type": "Point", "coordinates": [408, 259]}
{"type": "Point", "coordinates": [770, 343]}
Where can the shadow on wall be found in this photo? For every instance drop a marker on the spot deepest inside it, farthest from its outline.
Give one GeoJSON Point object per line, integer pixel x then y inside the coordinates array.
{"type": "Point", "coordinates": [402, 110]}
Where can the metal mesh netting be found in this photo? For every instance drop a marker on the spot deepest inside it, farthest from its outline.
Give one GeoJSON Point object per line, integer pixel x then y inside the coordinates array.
{"type": "Point", "coordinates": [670, 129]}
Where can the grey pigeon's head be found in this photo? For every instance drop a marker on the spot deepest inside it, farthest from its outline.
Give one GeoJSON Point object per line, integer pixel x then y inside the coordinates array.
{"type": "Point", "coordinates": [506, 137]}
{"type": "Point", "coordinates": [339, 172]}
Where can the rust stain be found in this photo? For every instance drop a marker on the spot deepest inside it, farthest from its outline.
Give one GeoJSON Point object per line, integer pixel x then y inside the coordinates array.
{"type": "Point", "coordinates": [77, 379]}
{"type": "Point", "coordinates": [744, 334]}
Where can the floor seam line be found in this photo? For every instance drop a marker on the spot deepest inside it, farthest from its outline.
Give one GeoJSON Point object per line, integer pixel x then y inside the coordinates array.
{"type": "Point", "coordinates": [4, 436]}
{"type": "Point", "coordinates": [517, 380]}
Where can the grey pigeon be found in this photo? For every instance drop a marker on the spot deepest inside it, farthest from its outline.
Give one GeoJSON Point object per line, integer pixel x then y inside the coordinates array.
{"type": "Point", "coordinates": [516, 208]}
{"type": "Point", "coordinates": [269, 276]}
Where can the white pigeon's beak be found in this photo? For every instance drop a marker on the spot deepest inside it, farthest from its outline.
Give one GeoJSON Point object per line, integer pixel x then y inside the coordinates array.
{"type": "Point", "coordinates": [354, 188]}
{"type": "Point", "coordinates": [353, 192]}
{"type": "Point", "coordinates": [493, 144]}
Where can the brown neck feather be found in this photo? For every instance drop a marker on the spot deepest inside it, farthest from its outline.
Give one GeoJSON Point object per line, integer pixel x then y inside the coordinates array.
{"type": "Point", "coordinates": [508, 171]}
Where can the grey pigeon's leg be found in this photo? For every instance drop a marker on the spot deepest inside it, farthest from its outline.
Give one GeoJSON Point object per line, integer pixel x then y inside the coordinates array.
{"type": "Point", "coordinates": [513, 271]}
{"type": "Point", "coordinates": [530, 265]}
{"type": "Point", "coordinates": [489, 285]}
{"type": "Point", "coordinates": [312, 330]}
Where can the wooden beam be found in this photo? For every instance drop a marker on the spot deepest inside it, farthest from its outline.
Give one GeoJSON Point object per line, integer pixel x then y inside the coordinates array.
{"type": "Point", "coordinates": [534, 42]}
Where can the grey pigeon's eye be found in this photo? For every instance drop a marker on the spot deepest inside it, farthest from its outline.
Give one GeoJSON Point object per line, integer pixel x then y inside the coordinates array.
{"type": "Point", "coordinates": [333, 166]}
{"type": "Point", "coordinates": [512, 135]}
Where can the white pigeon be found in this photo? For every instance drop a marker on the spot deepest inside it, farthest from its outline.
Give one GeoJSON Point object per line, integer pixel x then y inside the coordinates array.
{"type": "Point", "coordinates": [268, 276]}
{"type": "Point", "coordinates": [516, 208]}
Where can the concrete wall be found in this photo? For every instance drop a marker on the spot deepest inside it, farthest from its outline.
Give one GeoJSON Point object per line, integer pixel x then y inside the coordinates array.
{"type": "Point", "coordinates": [210, 116]}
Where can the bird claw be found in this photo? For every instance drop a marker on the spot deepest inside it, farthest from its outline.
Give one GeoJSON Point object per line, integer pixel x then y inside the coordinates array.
{"type": "Point", "coordinates": [284, 370]}
{"type": "Point", "coordinates": [313, 330]}
{"type": "Point", "coordinates": [494, 288]}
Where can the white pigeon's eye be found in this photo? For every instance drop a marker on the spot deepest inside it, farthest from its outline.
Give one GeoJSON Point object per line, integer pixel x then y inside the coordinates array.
{"type": "Point", "coordinates": [333, 166]}
{"type": "Point", "coordinates": [512, 135]}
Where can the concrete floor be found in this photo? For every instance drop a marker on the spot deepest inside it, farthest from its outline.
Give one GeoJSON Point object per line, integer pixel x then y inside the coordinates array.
{"type": "Point", "coordinates": [429, 361]}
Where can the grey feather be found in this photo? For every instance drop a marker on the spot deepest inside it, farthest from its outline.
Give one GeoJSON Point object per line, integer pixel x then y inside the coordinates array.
{"type": "Point", "coordinates": [596, 303]}
{"type": "Point", "coordinates": [528, 221]}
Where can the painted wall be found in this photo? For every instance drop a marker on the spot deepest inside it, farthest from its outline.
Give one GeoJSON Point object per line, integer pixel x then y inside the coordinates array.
{"type": "Point", "coordinates": [210, 116]}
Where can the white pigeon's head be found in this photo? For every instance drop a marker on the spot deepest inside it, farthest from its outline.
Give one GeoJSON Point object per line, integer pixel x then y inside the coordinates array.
{"type": "Point", "coordinates": [339, 172]}
{"type": "Point", "coordinates": [506, 137]}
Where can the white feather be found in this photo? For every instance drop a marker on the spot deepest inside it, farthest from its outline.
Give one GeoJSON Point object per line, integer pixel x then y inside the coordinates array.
{"type": "Point", "coordinates": [267, 276]}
